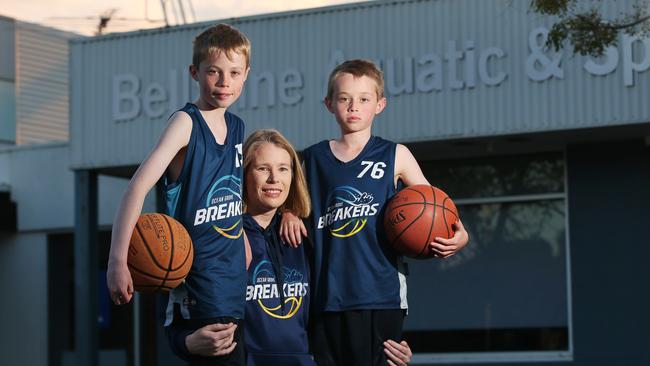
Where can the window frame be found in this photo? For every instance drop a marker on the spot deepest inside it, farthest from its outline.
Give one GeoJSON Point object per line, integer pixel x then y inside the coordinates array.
{"type": "Point", "coordinates": [517, 356]}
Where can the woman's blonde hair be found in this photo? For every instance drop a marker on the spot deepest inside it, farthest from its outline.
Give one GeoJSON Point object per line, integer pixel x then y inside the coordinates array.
{"type": "Point", "coordinates": [298, 201]}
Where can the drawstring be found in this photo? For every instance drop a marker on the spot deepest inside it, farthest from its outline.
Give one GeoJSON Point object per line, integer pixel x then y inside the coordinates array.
{"type": "Point", "coordinates": [275, 252]}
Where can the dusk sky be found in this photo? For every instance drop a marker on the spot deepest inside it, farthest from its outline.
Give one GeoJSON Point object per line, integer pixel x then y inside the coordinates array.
{"type": "Point", "coordinates": [82, 16]}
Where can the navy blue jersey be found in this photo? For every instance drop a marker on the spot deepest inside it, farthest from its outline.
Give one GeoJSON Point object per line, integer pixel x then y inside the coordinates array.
{"type": "Point", "coordinates": [354, 268]}
{"type": "Point", "coordinates": [276, 334]}
{"type": "Point", "coordinates": [206, 199]}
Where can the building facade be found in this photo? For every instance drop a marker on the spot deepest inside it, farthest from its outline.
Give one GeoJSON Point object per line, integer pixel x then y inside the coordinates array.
{"type": "Point", "coordinates": [545, 154]}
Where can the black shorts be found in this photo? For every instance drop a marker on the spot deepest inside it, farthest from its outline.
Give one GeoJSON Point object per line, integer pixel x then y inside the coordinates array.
{"type": "Point", "coordinates": [354, 337]}
{"type": "Point", "coordinates": [236, 358]}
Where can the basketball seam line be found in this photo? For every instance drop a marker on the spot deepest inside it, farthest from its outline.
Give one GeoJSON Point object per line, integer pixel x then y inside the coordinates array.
{"type": "Point", "coordinates": [189, 254]}
{"type": "Point", "coordinates": [144, 273]}
{"type": "Point", "coordinates": [433, 221]}
{"type": "Point", "coordinates": [146, 245]}
{"type": "Point", "coordinates": [409, 225]}
{"type": "Point", "coordinates": [444, 217]}
{"type": "Point", "coordinates": [425, 203]}
{"type": "Point", "coordinates": [173, 246]}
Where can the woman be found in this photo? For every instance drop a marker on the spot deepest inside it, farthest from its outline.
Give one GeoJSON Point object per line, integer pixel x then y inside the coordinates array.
{"type": "Point", "coordinates": [276, 320]}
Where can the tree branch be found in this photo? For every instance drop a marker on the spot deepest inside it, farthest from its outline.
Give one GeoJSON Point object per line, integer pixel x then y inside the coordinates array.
{"type": "Point", "coordinates": [628, 25]}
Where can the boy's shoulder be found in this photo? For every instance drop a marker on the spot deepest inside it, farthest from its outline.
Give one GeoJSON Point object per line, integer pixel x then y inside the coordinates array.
{"type": "Point", "coordinates": [324, 145]}
{"type": "Point", "coordinates": [191, 110]}
{"type": "Point", "coordinates": [317, 146]}
{"type": "Point", "coordinates": [181, 117]}
{"type": "Point", "coordinates": [233, 117]}
{"type": "Point", "coordinates": [188, 108]}
{"type": "Point", "coordinates": [379, 139]}
{"type": "Point", "coordinates": [377, 142]}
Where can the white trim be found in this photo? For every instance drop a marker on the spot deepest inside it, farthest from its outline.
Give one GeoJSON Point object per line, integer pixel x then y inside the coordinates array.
{"type": "Point", "coordinates": [508, 199]}
{"type": "Point", "coordinates": [490, 357]}
{"type": "Point", "coordinates": [401, 267]}
{"type": "Point", "coordinates": [567, 246]}
{"type": "Point", "coordinates": [177, 295]}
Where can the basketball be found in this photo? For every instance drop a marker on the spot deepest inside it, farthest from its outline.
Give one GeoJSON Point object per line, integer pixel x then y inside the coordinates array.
{"type": "Point", "coordinates": [160, 253]}
{"type": "Point", "coordinates": [415, 216]}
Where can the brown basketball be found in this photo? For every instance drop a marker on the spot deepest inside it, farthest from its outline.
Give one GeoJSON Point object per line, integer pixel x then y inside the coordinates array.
{"type": "Point", "coordinates": [415, 216]}
{"type": "Point", "coordinates": [160, 253]}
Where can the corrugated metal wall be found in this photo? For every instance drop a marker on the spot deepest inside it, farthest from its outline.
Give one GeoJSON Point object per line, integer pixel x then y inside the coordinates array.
{"type": "Point", "coordinates": [42, 83]}
{"type": "Point", "coordinates": [417, 43]}
{"type": "Point", "coordinates": [7, 37]}
{"type": "Point", "coordinates": [7, 82]}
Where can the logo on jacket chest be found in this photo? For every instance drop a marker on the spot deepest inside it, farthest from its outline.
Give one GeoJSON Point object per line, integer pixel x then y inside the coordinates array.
{"type": "Point", "coordinates": [348, 210]}
{"type": "Point", "coordinates": [264, 290]}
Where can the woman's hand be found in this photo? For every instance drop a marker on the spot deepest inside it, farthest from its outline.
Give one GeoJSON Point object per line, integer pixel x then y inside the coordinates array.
{"type": "Point", "coordinates": [212, 340]}
{"type": "Point", "coordinates": [397, 354]}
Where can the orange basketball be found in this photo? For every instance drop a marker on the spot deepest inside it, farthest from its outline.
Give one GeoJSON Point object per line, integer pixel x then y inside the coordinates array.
{"type": "Point", "coordinates": [160, 253]}
{"type": "Point", "coordinates": [415, 216]}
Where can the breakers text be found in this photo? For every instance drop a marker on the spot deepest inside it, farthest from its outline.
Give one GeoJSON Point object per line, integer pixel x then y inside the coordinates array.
{"type": "Point", "coordinates": [219, 212]}
{"type": "Point", "coordinates": [270, 290]}
{"type": "Point", "coordinates": [345, 213]}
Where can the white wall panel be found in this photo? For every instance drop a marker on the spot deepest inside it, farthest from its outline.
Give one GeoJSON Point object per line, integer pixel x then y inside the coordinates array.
{"type": "Point", "coordinates": [397, 33]}
{"type": "Point", "coordinates": [41, 84]}
{"type": "Point", "coordinates": [42, 185]}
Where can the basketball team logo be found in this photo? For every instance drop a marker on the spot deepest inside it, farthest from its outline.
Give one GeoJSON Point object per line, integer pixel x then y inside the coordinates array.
{"type": "Point", "coordinates": [265, 290]}
{"type": "Point", "coordinates": [223, 208]}
{"type": "Point", "coordinates": [347, 212]}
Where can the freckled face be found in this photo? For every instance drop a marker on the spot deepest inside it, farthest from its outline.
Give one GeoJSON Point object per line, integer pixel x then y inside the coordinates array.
{"type": "Point", "coordinates": [355, 102]}
{"type": "Point", "coordinates": [221, 78]}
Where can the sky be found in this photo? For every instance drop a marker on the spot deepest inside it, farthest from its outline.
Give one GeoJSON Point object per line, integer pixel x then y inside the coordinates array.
{"type": "Point", "coordinates": [82, 16]}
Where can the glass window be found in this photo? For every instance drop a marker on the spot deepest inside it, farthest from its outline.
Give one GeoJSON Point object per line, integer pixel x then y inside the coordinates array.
{"type": "Point", "coordinates": [508, 289]}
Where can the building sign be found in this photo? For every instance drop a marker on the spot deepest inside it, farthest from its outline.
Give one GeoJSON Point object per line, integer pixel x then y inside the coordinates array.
{"type": "Point", "coordinates": [462, 65]}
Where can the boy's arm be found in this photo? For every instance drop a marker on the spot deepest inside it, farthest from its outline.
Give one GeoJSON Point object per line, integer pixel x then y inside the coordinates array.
{"type": "Point", "coordinates": [248, 251]}
{"type": "Point", "coordinates": [408, 170]}
{"type": "Point", "coordinates": [175, 136]}
{"type": "Point", "coordinates": [292, 229]}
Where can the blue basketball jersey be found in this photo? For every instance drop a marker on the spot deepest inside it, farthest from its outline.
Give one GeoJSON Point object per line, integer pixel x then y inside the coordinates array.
{"type": "Point", "coordinates": [276, 334]}
{"type": "Point", "coordinates": [354, 268]}
{"type": "Point", "coordinates": [206, 199]}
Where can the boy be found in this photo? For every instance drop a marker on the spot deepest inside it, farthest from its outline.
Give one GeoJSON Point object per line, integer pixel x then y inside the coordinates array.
{"type": "Point", "coordinates": [360, 294]}
{"type": "Point", "coordinates": [200, 154]}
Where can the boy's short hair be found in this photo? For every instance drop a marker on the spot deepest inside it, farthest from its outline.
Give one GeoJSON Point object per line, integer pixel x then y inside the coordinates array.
{"type": "Point", "coordinates": [357, 68]}
{"type": "Point", "coordinates": [298, 201]}
{"type": "Point", "coordinates": [220, 37]}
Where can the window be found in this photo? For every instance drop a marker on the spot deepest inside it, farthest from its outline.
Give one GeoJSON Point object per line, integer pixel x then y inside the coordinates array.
{"type": "Point", "coordinates": [506, 295]}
